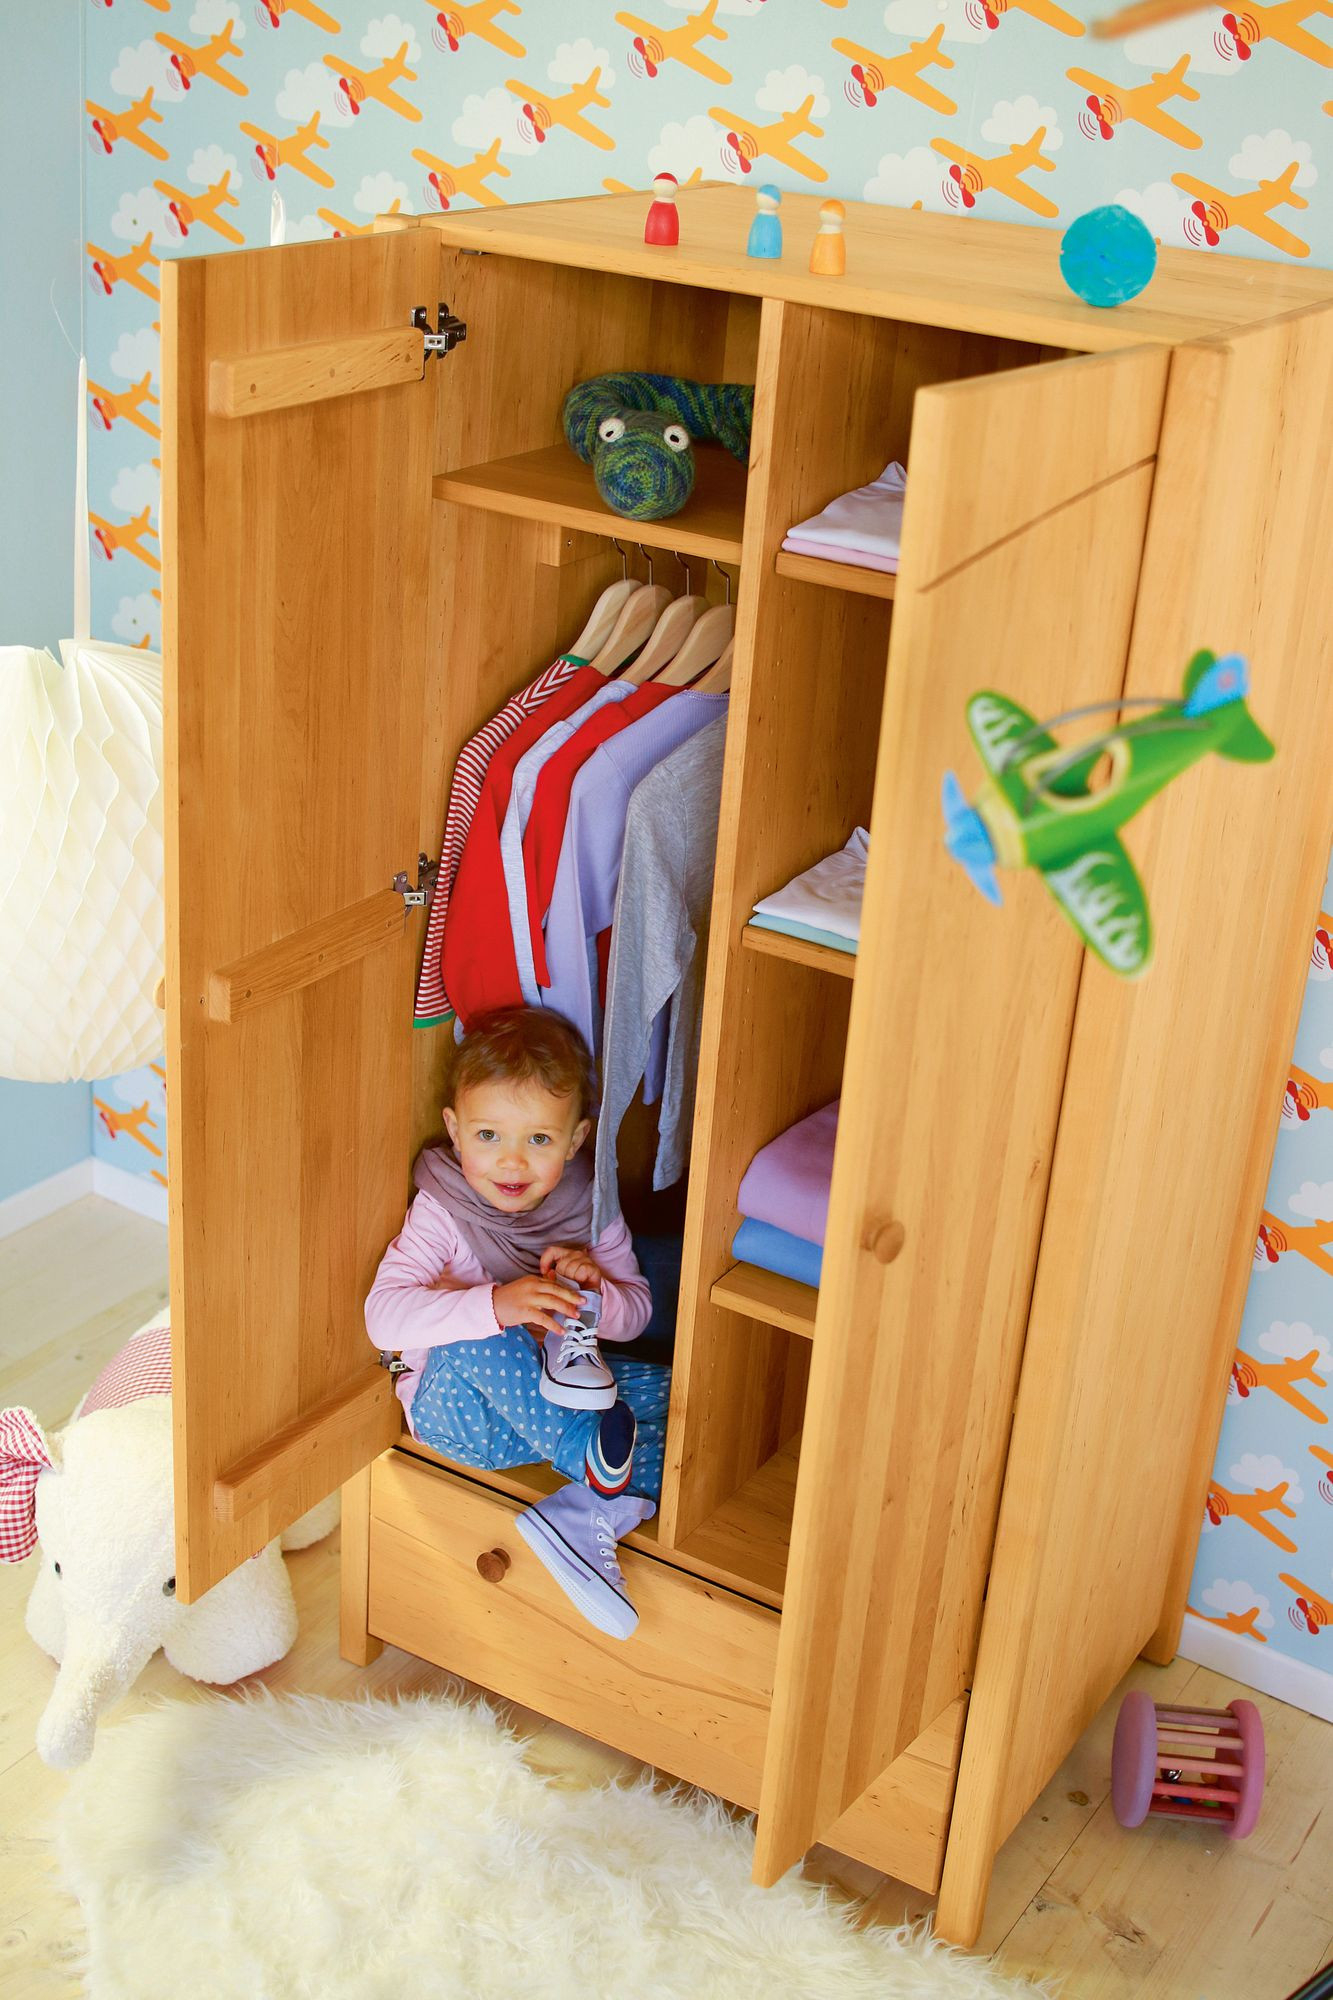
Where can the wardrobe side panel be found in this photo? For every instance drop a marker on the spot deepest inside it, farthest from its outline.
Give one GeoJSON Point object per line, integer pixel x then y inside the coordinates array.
{"type": "Point", "coordinates": [1173, 1090]}
{"type": "Point", "coordinates": [955, 1063]}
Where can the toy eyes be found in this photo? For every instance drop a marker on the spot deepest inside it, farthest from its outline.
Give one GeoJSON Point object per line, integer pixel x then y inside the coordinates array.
{"type": "Point", "coordinates": [169, 1587]}
{"type": "Point", "coordinates": [611, 430]}
{"type": "Point", "coordinates": [677, 437]}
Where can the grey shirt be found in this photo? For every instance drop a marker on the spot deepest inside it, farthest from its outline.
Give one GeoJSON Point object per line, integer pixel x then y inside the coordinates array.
{"type": "Point", "coordinates": [659, 943]}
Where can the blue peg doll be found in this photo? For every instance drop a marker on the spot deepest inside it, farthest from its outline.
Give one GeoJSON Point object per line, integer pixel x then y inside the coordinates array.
{"type": "Point", "coordinates": [765, 238]}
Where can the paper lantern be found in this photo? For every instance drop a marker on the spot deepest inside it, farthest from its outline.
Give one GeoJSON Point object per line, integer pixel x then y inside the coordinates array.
{"type": "Point", "coordinates": [81, 906]}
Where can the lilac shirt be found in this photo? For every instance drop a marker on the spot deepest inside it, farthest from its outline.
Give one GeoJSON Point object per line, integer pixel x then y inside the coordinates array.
{"type": "Point", "coordinates": [404, 1313]}
{"type": "Point", "coordinates": [584, 898]}
{"type": "Point", "coordinates": [787, 1183]}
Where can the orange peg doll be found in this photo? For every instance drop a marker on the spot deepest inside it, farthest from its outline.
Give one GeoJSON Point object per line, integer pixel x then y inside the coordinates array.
{"type": "Point", "coordinates": [828, 252]}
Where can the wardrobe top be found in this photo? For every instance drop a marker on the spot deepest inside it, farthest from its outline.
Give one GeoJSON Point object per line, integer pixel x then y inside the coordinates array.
{"type": "Point", "coordinates": [939, 270]}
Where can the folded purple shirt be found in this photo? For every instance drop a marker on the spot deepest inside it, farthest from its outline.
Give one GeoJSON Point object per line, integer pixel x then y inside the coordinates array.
{"type": "Point", "coordinates": [787, 1182]}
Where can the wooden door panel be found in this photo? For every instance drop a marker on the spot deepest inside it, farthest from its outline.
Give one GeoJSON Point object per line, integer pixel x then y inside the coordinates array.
{"type": "Point", "coordinates": [951, 1093]}
{"type": "Point", "coordinates": [296, 534]}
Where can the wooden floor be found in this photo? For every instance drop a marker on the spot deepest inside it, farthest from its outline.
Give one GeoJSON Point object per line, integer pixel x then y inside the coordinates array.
{"type": "Point", "coordinates": [1165, 1913]}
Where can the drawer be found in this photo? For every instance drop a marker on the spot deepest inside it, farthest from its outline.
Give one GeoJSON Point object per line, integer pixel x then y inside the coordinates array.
{"type": "Point", "coordinates": [690, 1692]}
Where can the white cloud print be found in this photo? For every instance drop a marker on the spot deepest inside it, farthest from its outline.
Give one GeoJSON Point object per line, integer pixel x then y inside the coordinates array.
{"type": "Point", "coordinates": [1265, 1471]}
{"type": "Point", "coordinates": [491, 116]}
{"type": "Point", "coordinates": [963, 19]}
{"type": "Point", "coordinates": [378, 193]}
{"type": "Point", "coordinates": [139, 213]}
{"type": "Point", "coordinates": [1161, 207]}
{"type": "Point", "coordinates": [785, 89]}
{"type": "Point", "coordinates": [386, 36]}
{"type": "Point", "coordinates": [210, 17]}
{"type": "Point", "coordinates": [209, 165]}
{"type": "Point", "coordinates": [1263, 156]}
{"type": "Point", "coordinates": [1211, 51]}
{"type": "Point", "coordinates": [136, 487]}
{"type": "Point", "coordinates": [135, 355]}
{"type": "Point", "coordinates": [135, 617]}
{"type": "Point", "coordinates": [1239, 1596]}
{"type": "Point", "coordinates": [1291, 1342]}
{"type": "Point", "coordinates": [1314, 1200]}
{"type": "Point", "coordinates": [314, 88]}
{"type": "Point", "coordinates": [1326, 1059]}
{"type": "Point", "coordinates": [147, 66]}
{"type": "Point", "coordinates": [574, 62]}
{"type": "Point", "coordinates": [308, 228]}
{"type": "Point", "coordinates": [682, 148]}
{"type": "Point", "coordinates": [1012, 123]}
{"type": "Point", "coordinates": [903, 178]}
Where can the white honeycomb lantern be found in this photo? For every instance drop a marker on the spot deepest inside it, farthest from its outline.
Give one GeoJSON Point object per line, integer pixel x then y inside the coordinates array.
{"type": "Point", "coordinates": [81, 905]}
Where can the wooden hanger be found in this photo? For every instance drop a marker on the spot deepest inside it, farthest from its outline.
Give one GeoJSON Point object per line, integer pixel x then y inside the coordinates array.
{"type": "Point", "coordinates": [602, 618]}
{"type": "Point", "coordinates": [718, 679]}
{"type": "Point", "coordinates": [668, 636]}
{"type": "Point", "coordinates": [634, 622]}
{"type": "Point", "coordinates": [705, 644]}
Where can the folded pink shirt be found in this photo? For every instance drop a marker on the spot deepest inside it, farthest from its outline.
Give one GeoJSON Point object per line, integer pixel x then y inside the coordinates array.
{"type": "Point", "coordinates": [787, 1182]}
{"type": "Point", "coordinates": [863, 527]}
{"type": "Point", "coordinates": [404, 1313]}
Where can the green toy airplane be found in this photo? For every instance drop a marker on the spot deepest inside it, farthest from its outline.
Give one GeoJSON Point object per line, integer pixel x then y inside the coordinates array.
{"type": "Point", "coordinates": [1039, 809]}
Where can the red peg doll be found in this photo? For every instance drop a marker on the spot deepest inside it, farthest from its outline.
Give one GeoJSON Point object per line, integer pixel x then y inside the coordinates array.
{"type": "Point", "coordinates": [663, 224]}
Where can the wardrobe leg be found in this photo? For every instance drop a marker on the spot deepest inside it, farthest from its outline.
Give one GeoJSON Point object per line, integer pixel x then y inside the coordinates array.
{"type": "Point", "coordinates": [966, 1883]}
{"type": "Point", "coordinates": [355, 1643]}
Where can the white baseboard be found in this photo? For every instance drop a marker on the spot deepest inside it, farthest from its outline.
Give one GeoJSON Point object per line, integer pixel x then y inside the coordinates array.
{"type": "Point", "coordinates": [1258, 1666]}
{"type": "Point", "coordinates": [57, 1191]}
{"type": "Point", "coordinates": [136, 1191]}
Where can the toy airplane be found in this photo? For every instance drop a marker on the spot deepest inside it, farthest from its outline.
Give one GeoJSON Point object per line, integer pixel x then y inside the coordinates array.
{"type": "Point", "coordinates": [1039, 807]}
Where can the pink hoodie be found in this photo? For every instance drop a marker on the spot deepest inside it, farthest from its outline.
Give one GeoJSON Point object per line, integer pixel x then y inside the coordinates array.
{"type": "Point", "coordinates": [404, 1313]}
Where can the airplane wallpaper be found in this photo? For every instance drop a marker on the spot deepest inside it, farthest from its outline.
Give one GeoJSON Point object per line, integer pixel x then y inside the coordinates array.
{"type": "Point", "coordinates": [1214, 125]}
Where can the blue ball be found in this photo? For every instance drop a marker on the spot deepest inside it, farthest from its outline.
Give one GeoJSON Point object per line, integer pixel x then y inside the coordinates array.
{"type": "Point", "coordinates": [1107, 256]}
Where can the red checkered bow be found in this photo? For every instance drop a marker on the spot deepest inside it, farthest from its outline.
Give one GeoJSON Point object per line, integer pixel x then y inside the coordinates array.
{"type": "Point", "coordinates": [23, 1456]}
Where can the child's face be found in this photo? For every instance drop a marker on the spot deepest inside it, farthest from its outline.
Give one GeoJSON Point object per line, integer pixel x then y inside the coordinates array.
{"type": "Point", "coordinates": [514, 1141]}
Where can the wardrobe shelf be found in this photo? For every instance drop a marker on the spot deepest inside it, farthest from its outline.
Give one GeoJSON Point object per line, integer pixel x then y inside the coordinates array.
{"type": "Point", "coordinates": [778, 1301]}
{"type": "Point", "coordinates": [836, 575]}
{"type": "Point", "coordinates": [750, 1534]}
{"type": "Point", "coordinates": [802, 951]}
{"type": "Point", "coordinates": [553, 485]}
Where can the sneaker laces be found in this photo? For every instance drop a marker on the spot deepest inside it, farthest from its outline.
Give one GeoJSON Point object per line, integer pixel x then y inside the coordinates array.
{"type": "Point", "coordinates": [579, 1343]}
{"type": "Point", "coordinates": [606, 1538]}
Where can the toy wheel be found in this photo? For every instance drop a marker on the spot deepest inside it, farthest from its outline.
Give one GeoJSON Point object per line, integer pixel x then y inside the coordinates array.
{"type": "Point", "coordinates": [1134, 1758]}
{"type": "Point", "coordinates": [1249, 1725]}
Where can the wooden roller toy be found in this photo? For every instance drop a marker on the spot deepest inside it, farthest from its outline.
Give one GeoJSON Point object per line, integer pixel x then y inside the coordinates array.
{"type": "Point", "coordinates": [1188, 1763]}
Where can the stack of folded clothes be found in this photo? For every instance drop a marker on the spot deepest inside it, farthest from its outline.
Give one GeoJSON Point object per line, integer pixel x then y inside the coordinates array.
{"type": "Point", "coordinates": [863, 528]}
{"type": "Point", "coordinates": [824, 904]}
{"type": "Point", "coordinates": [784, 1199]}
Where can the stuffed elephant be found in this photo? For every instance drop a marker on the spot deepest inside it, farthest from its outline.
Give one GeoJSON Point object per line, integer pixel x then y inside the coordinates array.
{"type": "Point", "coordinates": [98, 1497]}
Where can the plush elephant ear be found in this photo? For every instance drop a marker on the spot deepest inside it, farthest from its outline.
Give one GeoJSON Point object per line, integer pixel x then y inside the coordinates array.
{"type": "Point", "coordinates": [24, 1455]}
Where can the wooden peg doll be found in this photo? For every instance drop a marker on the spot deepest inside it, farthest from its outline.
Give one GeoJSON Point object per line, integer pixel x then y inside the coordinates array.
{"type": "Point", "coordinates": [663, 224]}
{"type": "Point", "coordinates": [765, 238]}
{"type": "Point", "coordinates": [828, 253]}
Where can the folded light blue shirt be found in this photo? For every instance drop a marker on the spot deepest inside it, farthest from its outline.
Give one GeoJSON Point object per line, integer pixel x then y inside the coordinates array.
{"type": "Point", "coordinates": [779, 1251]}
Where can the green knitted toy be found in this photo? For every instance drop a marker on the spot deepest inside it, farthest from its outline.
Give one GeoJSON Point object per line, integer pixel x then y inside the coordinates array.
{"type": "Point", "coordinates": [636, 431]}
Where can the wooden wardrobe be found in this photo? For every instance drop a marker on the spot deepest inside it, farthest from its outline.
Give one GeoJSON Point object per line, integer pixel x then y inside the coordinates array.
{"type": "Point", "coordinates": [915, 1526]}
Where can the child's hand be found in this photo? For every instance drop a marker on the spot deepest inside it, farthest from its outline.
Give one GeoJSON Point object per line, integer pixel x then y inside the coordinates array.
{"type": "Point", "coordinates": [536, 1303]}
{"type": "Point", "coordinates": [573, 1261]}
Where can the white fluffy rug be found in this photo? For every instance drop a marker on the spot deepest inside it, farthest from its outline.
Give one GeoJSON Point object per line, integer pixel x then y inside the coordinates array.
{"type": "Point", "coordinates": [278, 1847]}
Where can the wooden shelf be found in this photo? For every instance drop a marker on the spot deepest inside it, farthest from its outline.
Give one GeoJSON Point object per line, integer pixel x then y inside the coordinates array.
{"type": "Point", "coordinates": [749, 1536]}
{"type": "Point", "coordinates": [836, 575]}
{"type": "Point", "coordinates": [778, 1301]}
{"type": "Point", "coordinates": [802, 951]}
{"type": "Point", "coordinates": [553, 485]}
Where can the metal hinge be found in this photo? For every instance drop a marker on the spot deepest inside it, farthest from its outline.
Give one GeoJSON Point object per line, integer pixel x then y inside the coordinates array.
{"type": "Point", "coordinates": [417, 899]}
{"type": "Point", "coordinates": [449, 330]}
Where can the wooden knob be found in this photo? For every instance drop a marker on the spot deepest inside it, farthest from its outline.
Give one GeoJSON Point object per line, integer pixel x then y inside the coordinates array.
{"type": "Point", "coordinates": [884, 1240]}
{"type": "Point", "coordinates": [492, 1564]}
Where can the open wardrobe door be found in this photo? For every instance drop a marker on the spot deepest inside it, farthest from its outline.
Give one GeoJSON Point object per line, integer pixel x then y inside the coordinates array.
{"type": "Point", "coordinates": [1027, 501]}
{"type": "Point", "coordinates": [298, 433]}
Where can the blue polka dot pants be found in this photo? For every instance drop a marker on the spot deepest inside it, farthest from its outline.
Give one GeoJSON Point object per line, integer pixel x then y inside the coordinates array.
{"type": "Point", "coordinates": [480, 1402]}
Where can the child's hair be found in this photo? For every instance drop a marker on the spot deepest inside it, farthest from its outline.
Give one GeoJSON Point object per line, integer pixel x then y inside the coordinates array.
{"type": "Point", "coordinates": [522, 1045]}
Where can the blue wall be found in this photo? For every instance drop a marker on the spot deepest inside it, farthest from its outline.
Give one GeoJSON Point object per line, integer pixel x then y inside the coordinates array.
{"type": "Point", "coordinates": [43, 1127]}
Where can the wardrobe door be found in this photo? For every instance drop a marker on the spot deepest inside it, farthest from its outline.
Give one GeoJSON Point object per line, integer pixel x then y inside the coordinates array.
{"type": "Point", "coordinates": [297, 447]}
{"type": "Point", "coordinates": [1026, 505]}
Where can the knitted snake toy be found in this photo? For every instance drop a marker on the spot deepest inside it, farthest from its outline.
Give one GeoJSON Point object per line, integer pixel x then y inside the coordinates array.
{"type": "Point", "coordinates": [636, 432]}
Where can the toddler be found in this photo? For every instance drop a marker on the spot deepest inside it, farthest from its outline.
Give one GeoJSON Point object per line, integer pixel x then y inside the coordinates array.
{"type": "Point", "coordinates": [480, 1294]}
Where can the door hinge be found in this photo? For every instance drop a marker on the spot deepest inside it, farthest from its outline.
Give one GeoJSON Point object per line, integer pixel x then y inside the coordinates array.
{"type": "Point", "coordinates": [448, 332]}
{"type": "Point", "coordinates": [417, 899]}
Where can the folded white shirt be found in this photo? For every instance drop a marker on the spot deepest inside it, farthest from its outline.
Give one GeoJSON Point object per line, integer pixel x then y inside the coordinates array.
{"type": "Point", "coordinates": [827, 895]}
{"type": "Point", "coordinates": [870, 519]}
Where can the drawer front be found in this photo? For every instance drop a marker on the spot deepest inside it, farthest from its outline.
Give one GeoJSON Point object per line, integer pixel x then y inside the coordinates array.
{"type": "Point", "coordinates": [690, 1692]}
